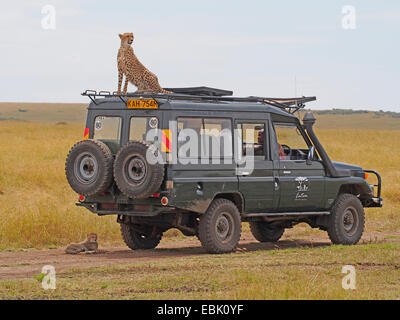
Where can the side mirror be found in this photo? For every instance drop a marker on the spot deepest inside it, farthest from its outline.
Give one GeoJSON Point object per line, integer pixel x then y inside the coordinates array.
{"type": "Point", "coordinates": [310, 156]}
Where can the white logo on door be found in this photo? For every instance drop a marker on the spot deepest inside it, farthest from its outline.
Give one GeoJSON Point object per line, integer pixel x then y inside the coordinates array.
{"type": "Point", "coordinates": [302, 188]}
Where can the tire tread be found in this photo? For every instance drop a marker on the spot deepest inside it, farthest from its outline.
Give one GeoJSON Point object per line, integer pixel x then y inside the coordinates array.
{"type": "Point", "coordinates": [128, 235]}
{"type": "Point", "coordinates": [263, 234]}
{"type": "Point", "coordinates": [334, 232]}
{"type": "Point", "coordinates": [157, 171]}
{"type": "Point", "coordinates": [205, 225]}
{"type": "Point", "coordinates": [106, 176]}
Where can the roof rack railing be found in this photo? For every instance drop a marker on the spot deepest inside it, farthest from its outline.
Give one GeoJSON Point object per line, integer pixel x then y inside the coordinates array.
{"type": "Point", "coordinates": [290, 105]}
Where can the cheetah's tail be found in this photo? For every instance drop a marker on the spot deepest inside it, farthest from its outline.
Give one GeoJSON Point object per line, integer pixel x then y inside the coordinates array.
{"type": "Point", "coordinates": [165, 91]}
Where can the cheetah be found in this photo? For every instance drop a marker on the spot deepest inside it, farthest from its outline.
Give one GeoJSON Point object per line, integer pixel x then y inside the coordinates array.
{"type": "Point", "coordinates": [89, 245]}
{"type": "Point", "coordinates": [135, 72]}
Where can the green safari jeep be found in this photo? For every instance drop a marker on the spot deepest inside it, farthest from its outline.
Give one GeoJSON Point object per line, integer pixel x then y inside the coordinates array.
{"type": "Point", "coordinates": [203, 161]}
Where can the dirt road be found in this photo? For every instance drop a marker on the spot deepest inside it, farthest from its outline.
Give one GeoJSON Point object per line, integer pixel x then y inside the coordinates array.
{"type": "Point", "coordinates": [25, 264]}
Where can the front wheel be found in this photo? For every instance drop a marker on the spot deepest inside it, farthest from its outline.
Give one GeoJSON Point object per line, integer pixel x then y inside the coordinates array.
{"type": "Point", "coordinates": [136, 240]}
{"type": "Point", "coordinates": [220, 227]}
{"type": "Point", "coordinates": [346, 221]}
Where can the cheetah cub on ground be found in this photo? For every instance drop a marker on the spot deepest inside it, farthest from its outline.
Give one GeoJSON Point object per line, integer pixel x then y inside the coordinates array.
{"type": "Point", "coordinates": [89, 245]}
{"type": "Point", "coordinates": [134, 71]}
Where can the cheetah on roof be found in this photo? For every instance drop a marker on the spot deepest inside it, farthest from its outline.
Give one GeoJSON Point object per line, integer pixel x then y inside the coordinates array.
{"type": "Point", "coordinates": [134, 71]}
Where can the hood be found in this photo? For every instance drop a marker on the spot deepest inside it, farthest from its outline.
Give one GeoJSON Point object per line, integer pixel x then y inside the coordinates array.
{"type": "Point", "coordinates": [345, 166]}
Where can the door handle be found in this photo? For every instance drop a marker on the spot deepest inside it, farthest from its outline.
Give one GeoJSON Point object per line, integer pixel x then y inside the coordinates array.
{"type": "Point", "coordinates": [276, 184]}
{"type": "Point", "coordinates": [287, 172]}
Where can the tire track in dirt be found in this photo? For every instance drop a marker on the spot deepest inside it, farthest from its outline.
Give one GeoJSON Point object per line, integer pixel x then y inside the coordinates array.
{"type": "Point", "coordinates": [25, 264]}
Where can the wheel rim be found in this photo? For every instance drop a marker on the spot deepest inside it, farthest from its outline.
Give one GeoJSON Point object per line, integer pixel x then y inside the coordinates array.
{"type": "Point", "coordinates": [86, 168]}
{"type": "Point", "coordinates": [143, 237]}
{"type": "Point", "coordinates": [146, 239]}
{"type": "Point", "coordinates": [350, 221]}
{"type": "Point", "coordinates": [224, 227]}
{"type": "Point", "coordinates": [135, 170]}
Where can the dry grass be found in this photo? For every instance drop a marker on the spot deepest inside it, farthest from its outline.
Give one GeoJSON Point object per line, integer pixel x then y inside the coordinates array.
{"type": "Point", "coordinates": [43, 112]}
{"type": "Point", "coordinates": [371, 149]}
{"type": "Point", "coordinates": [37, 205]}
{"type": "Point", "coordinates": [312, 273]}
{"type": "Point", "coordinates": [37, 210]}
{"type": "Point", "coordinates": [369, 121]}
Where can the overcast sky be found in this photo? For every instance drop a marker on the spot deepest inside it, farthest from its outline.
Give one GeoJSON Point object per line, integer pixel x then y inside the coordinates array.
{"type": "Point", "coordinates": [264, 48]}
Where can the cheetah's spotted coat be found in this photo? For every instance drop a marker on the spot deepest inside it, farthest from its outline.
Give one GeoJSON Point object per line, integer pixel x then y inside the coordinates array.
{"type": "Point", "coordinates": [134, 71]}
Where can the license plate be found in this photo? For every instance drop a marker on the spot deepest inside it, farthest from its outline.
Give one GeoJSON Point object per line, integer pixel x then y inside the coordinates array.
{"type": "Point", "coordinates": [142, 104]}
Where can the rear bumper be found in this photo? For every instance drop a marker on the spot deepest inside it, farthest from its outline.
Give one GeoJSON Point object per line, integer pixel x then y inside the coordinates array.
{"type": "Point", "coordinates": [376, 200]}
{"type": "Point", "coordinates": [132, 210]}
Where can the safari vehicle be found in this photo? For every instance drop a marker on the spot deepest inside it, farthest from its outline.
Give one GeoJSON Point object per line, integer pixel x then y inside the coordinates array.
{"type": "Point", "coordinates": [287, 178]}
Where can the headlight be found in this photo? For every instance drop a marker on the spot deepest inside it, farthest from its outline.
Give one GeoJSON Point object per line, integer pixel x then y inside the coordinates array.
{"type": "Point", "coordinates": [361, 174]}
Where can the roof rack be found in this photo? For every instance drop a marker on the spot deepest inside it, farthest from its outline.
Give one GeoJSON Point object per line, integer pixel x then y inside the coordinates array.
{"type": "Point", "coordinates": [201, 91]}
{"type": "Point", "coordinates": [290, 105]}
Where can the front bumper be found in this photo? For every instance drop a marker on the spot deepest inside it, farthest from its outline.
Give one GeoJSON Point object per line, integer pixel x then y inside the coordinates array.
{"type": "Point", "coordinates": [376, 200]}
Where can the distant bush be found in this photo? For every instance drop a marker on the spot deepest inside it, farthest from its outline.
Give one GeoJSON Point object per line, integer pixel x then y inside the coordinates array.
{"type": "Point", "coordinates": [393, 114]}
{"type": "Point", "coordinates": [377, 114]}
{"type": "Point", "coordinates": [341, 111]}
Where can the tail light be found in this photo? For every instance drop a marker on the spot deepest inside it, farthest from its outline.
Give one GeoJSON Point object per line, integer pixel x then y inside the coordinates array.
{"type": "Point", "coordinates": [86, 134]}
{"type": "Point", "coordinates": [166, 142]}
{"type": "Point", "coordinates": [164, 201]}
{"type": "Point", "coordinates": [82, 198]}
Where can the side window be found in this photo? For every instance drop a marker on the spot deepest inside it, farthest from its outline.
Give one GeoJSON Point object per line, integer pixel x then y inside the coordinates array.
{"type": "Point", "coordinates": [108, 129]}
{"type": "Point", "coordinates": [216, 138]}
{"type": "Point", "coordinates": [291, 143]}
{"type": "Point", "coordinates": [209, 138]}
{"type": "Point", "coordinates": [188, 137]}
{"type": "Point", "coordinates": [252, 139]}
{"type": "Point", "coordinates": [139, 126]}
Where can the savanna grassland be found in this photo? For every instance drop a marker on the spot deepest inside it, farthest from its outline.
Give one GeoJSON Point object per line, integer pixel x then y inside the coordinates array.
{"type": "Point", "coordinates": [296, 273]}
{"type": "Point", "coordinates": [37, 210]}
{"type": "Point", "coordinates": [37, 205]}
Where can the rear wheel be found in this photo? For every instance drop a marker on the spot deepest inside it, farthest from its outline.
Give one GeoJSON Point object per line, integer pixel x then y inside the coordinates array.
{"type": "Point", "coordinates": [220, 227]}
{"type": "Point", "coordinates": [137, 240]}
{"type": "Point", "coordinates": [346, 221]}
{"type": "Point", "coordinates": [264, 232]}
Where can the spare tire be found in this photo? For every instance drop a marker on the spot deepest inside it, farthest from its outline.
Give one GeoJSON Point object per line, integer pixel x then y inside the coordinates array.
{"type": "Point", "coordinates": [89, 167]}
{"type": "Point", "coordinates": [134, 175]}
